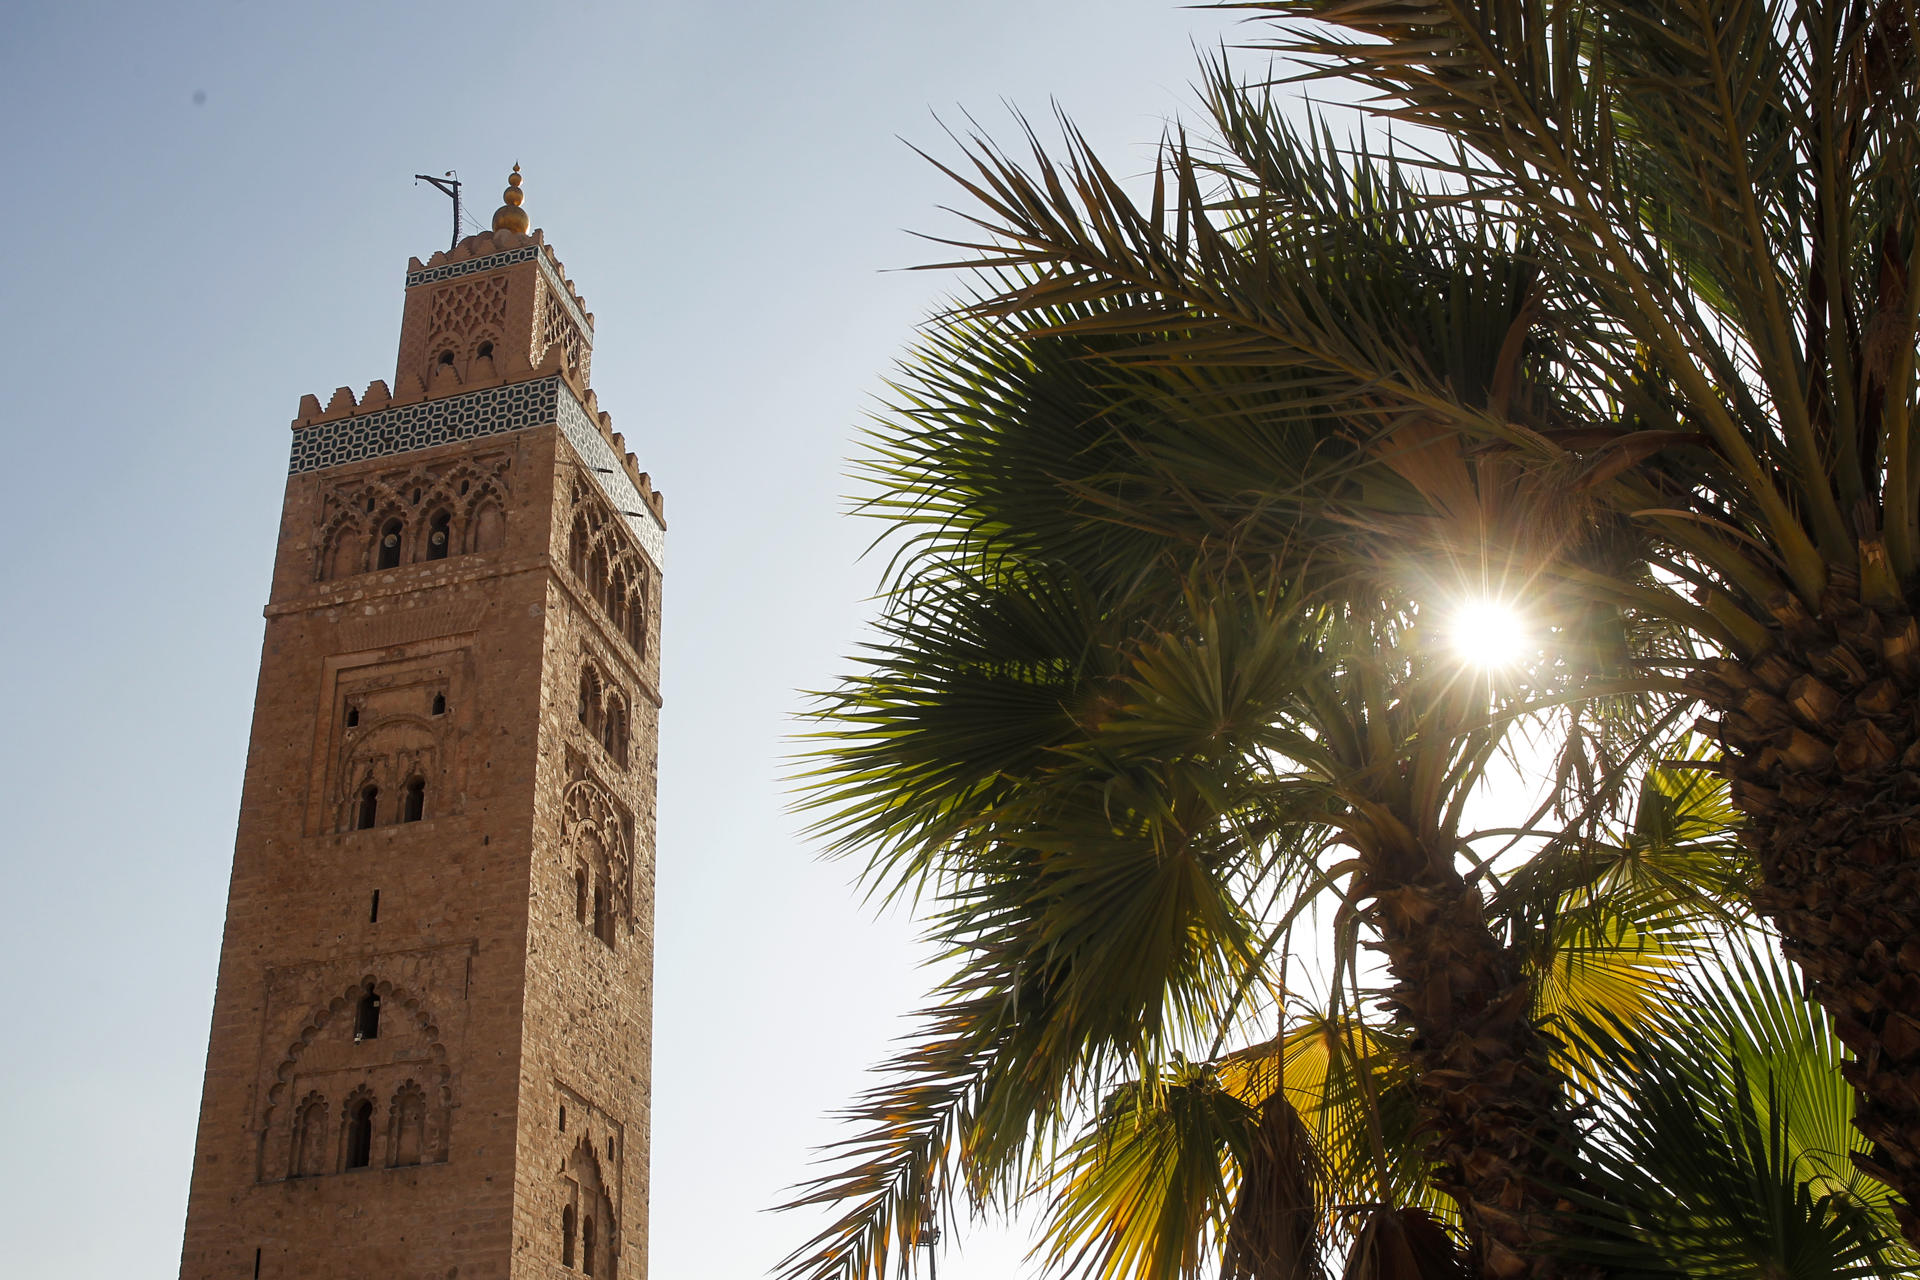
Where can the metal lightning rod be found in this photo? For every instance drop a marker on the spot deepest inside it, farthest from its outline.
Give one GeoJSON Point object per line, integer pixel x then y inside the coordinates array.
{"type": "Point", "coordinates": [449, 185]}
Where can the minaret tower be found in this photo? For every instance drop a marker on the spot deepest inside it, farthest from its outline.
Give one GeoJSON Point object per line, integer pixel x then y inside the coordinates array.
{"type": "Point", "coordinates": [430, 1043]}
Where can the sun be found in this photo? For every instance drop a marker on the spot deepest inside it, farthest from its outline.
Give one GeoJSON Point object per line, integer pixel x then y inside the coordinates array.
{"type": "Point", "coordinates": [1489, 633]}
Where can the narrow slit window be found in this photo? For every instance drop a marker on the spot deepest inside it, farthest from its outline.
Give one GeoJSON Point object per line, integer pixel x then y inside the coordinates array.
{"type": "Point", "coordinates": [580, 896]}
{"type": "Point", "coordinates": [563, 1117]}
{"type": "Point", "coordinates": [586, 1246]}
{"type": "Point", "coordinates": [414, 801]}
{"type": "Point", "coordinates": [566, 1237]}
{"type": "Point", "coordinates": [373, 914]}
{"type": "Point", "coordinates": [353, 717]}
{"type": "Point", "coordinates": [367, 809]}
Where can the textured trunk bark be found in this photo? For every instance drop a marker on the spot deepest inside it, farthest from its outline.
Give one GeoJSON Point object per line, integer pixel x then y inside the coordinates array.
{"type": "Point", "coordinates": [1488, 1093]}
{"type": "Point", "coordinates": [1822, 745]}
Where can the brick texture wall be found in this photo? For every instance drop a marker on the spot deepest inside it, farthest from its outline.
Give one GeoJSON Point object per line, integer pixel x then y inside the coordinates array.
{"type": "Point", "coordinates": [469, 734]}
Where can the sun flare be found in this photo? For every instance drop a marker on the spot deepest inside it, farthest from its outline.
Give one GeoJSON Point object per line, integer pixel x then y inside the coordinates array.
{"type": "Point", "coordinates": [1489, 633]}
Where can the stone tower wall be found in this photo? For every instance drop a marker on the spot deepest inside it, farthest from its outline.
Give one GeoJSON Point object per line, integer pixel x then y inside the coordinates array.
{"type": "Point", "coordinates": [451, 560]}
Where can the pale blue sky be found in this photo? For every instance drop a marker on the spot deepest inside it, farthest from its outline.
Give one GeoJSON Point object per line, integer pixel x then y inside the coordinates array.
{"type": "Point", "coordinates": [727, 186]}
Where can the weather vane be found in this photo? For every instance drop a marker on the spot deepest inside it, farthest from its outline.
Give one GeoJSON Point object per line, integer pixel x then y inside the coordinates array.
{"type": "Point", "coordinates": [449, 185]}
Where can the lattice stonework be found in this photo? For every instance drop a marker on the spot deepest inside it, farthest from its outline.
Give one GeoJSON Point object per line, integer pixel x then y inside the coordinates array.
{"type": "Point", "coordinates": [469, 306]}
{"type": "Point", "coordinates": [556, 325]}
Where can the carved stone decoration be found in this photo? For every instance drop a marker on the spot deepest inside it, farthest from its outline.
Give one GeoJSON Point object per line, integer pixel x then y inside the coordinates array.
{"type": "Point", "coordinates": [389, 756]}
{"type": "Point", "coordinates": [435, 512]}
{"type": "Point", "coordinates": [596, 833]}
{"type": "Point", "coordinates": [585, 1189]}
{"type": "Point", "coordinates": [611, 570]}
{"type": "Point", "coordinates": [557, 327]}
{"type": "Point", "coordinates": [402, 1072]}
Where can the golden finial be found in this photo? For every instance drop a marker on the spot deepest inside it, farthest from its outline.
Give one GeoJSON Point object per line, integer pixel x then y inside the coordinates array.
{"type": "Point", "coordinates": [510, 216]}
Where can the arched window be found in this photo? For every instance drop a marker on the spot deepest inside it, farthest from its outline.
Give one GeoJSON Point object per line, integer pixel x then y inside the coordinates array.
{"type": "Point", "coordinates": [577, 541]}
{"type": "Point", "coordinates": [387, 555]}
{"type": "Point", "coordinates": [366, 1015]}
{"type": "Point", "coordinates": [637, 616]}
{"type": "Point", "coordinates": [566, 1237]}
{"type": "Point", "coordinates": [597, 575]}
{"type": "Point", "coordinates": [487, 530]}
{"type": "Point", "coordinates": [353, 716]}
{"type": "Point", "coordinates": [309, 1138]}
{"type": "Point", "coordinates": [602, 912]}
{"type": "Point", "coordinates": [439, 535]}
{"type": "Point", "coordinates": [408, 1140]}
{"type": "Point", "coordinates": [367, 808]}
{"type": "Point", "coordinates": [446, 360]}
{"type": "Point", "coordinates": [413, 800]}
{"type": "Point", "coordinates": [586, 1246]}
{"type": "Point", "coordinates": [614, 736]}
{"type": "Point", "coordinates": [360, 1135]}
{"type": "Point", "coordinates": [617, 601]}
{"type": "Point", "coordinates": [484, 351]}
{"type": "Point", "coordinates": [580, 914]}
{"type": "Point", "coordinates": [439, 704]}
{"type": "Point", "coordinates": [344, 552]}
{"type": "Point", "coordinates": [590, 700]}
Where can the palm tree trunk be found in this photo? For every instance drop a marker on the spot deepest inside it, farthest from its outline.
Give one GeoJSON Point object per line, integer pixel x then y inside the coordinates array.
{"type": "Point", "coordinates": [1822, 745]}
{"type": "Point", "coordinates": [1490, 1098]}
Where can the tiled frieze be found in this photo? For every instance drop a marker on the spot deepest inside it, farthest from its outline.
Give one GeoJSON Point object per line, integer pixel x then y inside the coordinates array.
{"type": "Point", "coordinates": [490, 412]}
{"type": "Point", "coordinates": [609, 470]}
{"type": "Point", "coordinates": [454, 270]}
{"type": "Point", "coordinates": [475, 414]}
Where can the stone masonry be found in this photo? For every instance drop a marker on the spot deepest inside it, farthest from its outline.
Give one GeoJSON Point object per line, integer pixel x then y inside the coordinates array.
{"type": "Point", "coordinates": [429, 1057]}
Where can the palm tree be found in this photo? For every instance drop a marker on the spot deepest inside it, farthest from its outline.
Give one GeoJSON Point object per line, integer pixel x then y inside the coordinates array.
{"type": "Point", "coordinates": [1725, 1142]}
{"type": "Point", "coordinates": [1118, 771]}
{"type": "Point", "coordinates": [1705, 380]}
{"type": "Point", "coordinates": [1721, 1148]}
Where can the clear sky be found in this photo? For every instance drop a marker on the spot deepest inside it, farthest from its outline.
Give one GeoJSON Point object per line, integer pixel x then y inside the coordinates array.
{"type": "Point", "coordinates": [212, 209]}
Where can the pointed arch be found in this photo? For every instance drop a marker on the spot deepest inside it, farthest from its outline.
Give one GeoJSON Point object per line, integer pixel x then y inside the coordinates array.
{"type": "Point", "coordinates": [592, 696]}
{"type": "Point", "coordinates": [636, 629]}
{"type": "Point", "coordinates": [400, 1008]}
{"type": "Point", "coordinates": [487, 526]}
{"type": "Point", "coordinates": [356, 1129]}
{"type": "Point", "coordinates": [343, 550]}
{"type": "Point", "coordinates": [579, 545]}
{"type": "Point", "coordinates": [439, 540]}
{"type": "Point", "coordinates": [389, 543]}
{"type": "Point", "coordinates": [407, 1131]}
{"type": "Point", "coordinates": [616, 733]}
{"type": "Point", "coordinates": [308, 1156]}
{"type": "Point", "coordinates": [594, 830]}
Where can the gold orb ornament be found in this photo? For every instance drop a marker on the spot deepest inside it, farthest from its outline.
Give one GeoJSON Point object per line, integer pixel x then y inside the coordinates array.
{"type": "Point", "coordinates": [510, 216]}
